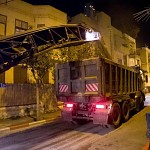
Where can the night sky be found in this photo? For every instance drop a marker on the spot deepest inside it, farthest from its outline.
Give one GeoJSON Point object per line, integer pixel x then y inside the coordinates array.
{"type": "Point", "coordinates": [74, 7]}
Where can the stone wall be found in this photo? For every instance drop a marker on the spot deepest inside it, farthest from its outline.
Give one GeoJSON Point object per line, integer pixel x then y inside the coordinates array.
{"type": "Point", "coordinates": [18, 100]}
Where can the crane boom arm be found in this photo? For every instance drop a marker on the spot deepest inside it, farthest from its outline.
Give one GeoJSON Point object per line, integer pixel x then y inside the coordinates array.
{"type": "Point", "coordinates": [15, 48]}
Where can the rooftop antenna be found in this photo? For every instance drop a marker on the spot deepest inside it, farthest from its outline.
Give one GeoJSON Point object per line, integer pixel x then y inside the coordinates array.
{"type": "Point", "coordinates": [89, 10]}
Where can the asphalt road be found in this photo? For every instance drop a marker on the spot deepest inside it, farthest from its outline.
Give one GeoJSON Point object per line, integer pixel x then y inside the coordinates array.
{"type": "Point", "coordinates": [59, 135]}
{"type": "Point", "coordinates": [54, 136]}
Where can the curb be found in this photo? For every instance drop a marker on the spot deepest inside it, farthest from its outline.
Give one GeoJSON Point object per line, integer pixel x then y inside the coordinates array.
{"type": "Point", "coordinates": [13, 127]}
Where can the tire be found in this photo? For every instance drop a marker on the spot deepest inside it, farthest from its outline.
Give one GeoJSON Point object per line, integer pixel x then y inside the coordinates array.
{"type": "Point", "coordinates": [142, 100]}
{"type": "Point", "coordinates": [137, 105]}
{"type": "Point", "coordinates": [125, 111]}
{"type": "Point", "coordinates": [141, 105]}
{"type": "Point", "coordinates": [116, 115]}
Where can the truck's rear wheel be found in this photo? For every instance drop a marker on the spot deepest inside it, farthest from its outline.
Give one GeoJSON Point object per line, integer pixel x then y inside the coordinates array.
{"type": "Point", "coordinates": [141, 105]}
{"type": "Point", "coordinates": [137, 105]}
{"type": "Point", "coordinates": [142, 100]}
{"type": "Point", "coordinates": [116, 115]}
{"type": "Point", "coordinates": [125, 111]}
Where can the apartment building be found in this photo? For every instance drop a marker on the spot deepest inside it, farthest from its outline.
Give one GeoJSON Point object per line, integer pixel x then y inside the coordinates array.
{"type": "Point", "coordinates": [18, 16]}
{"type": "Point", "coordinates": [144, 53]}
{"type": "Point", "coordinates": [120, 46]}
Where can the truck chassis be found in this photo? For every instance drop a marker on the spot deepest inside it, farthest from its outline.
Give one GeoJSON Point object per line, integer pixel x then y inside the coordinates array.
{"type": "Point", "coordinates": [99, 90]}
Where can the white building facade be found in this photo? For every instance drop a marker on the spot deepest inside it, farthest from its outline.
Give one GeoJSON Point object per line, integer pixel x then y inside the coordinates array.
{"type": "Point", "coordinates": [120, 46]}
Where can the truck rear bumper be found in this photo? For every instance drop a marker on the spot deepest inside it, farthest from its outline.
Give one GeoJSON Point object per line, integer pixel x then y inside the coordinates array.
{"type": "Point", "coordinates": [67, 115]}
{"type": "Point", "coordinates": [98, 117]}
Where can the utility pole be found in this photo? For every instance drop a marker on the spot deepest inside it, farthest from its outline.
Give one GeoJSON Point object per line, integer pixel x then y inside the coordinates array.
{"type": "Point", "coordinates": [37, 101]}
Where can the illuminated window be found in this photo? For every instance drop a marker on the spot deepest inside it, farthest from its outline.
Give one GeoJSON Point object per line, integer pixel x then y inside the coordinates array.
{"type": "Point", "coordinates": [3, 21]}
{"type": "Point", "coordinates": [20, 26]}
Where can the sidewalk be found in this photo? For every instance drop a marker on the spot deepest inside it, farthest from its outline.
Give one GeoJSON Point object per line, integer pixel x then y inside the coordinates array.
{"type": "Point", "coordinates": [16, 123]}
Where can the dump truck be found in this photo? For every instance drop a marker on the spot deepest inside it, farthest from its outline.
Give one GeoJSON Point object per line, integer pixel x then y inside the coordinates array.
{"type": "Point", "coordinates": [99, 90]}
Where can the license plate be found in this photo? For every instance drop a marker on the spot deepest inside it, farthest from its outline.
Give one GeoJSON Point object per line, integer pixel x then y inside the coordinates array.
{"type": "Point", "coordinates": [83, 113]}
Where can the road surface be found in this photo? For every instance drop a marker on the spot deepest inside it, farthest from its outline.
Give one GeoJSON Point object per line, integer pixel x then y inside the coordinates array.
{"type": "Point", "coordinates": [54, 136]}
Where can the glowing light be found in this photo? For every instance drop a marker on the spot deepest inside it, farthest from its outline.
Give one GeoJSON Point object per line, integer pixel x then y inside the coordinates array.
{"type": "Point", "coordinates": [91, 36]}
{"type": "Point", "coordinates": [69, 105]}
{"type": "Point", "coordinates": [100, 106]}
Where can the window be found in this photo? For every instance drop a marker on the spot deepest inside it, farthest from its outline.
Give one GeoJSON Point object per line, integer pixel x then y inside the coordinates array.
{"type": "Point", "coordinates": [3, 21]}
{"type": "Point", "coordinates": [20, 26]}
{"type": "Point", "coordinates": [40, 25]}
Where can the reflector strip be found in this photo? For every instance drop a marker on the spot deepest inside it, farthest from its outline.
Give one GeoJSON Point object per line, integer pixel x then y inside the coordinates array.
{"type": "Point", "coordinates": [92, 87]}
{"type": "Point", "coordinates": [63, 88]}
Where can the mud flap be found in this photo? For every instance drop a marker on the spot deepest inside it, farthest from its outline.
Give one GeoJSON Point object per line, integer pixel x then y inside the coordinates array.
{"type": "Point", "coordinates": [67, 115]}
{"type": "Point", "coordinates": [100, 117]}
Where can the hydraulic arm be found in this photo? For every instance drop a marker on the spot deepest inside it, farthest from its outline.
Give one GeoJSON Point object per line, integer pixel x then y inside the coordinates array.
{"type": "Point", "coordinates": [15, 48]}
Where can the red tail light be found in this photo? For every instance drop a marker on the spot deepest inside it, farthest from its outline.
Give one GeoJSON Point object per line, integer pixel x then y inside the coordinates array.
{"type": "Point", "coordinates": [100, 106]}
{"type": "Point", "coordinates": [69, 105]}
